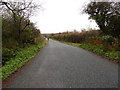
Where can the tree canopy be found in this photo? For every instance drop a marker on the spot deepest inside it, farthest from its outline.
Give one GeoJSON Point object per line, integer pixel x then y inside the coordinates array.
{"type": "Point", "coordinates": [106, 15]}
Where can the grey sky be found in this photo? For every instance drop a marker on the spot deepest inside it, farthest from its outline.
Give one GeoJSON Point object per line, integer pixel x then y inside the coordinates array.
{"type": "Point", "coordinates": [62, 15]}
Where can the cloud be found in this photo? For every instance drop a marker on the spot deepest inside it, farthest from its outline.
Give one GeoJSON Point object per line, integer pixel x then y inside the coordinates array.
{"type": "Point", "coordinates": [62, 15]}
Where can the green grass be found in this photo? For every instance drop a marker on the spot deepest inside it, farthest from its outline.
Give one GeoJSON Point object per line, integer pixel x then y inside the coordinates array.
{"type": "Point", "coordinates": [115, 55]}
{"type": "Point", "coordinates": [19, 60]}
{"type": "Point", "coordinates": [99, 50]}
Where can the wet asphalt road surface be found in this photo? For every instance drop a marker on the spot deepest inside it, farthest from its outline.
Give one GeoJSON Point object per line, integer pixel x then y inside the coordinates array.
{"type": "Point", "coordinates": [63, 66]}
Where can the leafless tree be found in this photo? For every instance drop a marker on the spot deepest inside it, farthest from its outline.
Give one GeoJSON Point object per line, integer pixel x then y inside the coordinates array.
{"type": "Point", "coordinates": [20, 13]}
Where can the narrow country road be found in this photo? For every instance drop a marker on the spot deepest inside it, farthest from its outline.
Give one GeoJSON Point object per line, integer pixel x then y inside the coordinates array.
{"type": "Point", "coordinates": [63, 66]}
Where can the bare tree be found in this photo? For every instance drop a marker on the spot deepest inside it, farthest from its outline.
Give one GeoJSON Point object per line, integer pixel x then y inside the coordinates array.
{"type": "Point", "coordinates": [20, 13]}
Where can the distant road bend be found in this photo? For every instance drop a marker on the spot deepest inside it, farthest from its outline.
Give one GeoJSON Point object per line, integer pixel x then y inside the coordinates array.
{"type": "Point", "coordinates": [63, 66]}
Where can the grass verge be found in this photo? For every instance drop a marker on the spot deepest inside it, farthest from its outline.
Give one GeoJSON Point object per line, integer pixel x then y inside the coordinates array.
{"type": "Point", "coordinates": [19, 60]}
{"type": "Point", "coordinates": [114, 55]}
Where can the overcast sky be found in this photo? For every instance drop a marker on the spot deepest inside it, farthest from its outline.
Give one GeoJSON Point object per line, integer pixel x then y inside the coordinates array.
{"type": "Point", "coordinates": [62, 15]}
